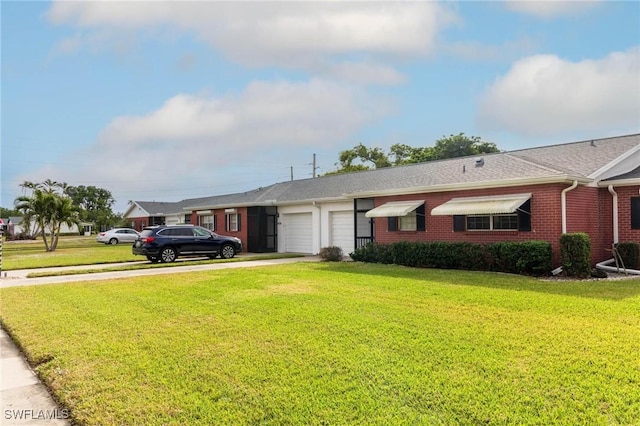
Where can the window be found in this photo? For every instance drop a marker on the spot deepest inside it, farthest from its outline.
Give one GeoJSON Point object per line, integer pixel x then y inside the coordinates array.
{"type": "Point", "coordinates": [408, 222]}
{"type": "Point", "coordinates": [412, 221]}
{"type": "Point", "coordinates": [475, 223]}
{"type": "Point", "coordinates": [508, 222]}
{"type": "Point", "coordinates": [207, 221]}
{"type": "Point", "coordinates": [635, 212]}
{"type": "Point", "coordinates": [518, 221]}
{"type": "Point", "coordinates": [232, 222]}
{"type": "Point", "coordinates": [187, 218]}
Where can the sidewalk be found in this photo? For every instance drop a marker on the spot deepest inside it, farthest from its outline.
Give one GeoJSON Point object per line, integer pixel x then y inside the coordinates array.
{"type": "Point", "coordinates": [24, 399]}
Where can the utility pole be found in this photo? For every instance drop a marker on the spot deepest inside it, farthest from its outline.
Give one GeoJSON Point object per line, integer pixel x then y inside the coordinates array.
{"type": "Point", "coordinates": [291, 173]}
{"type": "Point", "coordinates": [314, 166]}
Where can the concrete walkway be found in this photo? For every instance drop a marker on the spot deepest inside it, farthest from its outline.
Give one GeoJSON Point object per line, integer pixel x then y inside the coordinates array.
{"type": "Point", "coordinates": [24, 399]}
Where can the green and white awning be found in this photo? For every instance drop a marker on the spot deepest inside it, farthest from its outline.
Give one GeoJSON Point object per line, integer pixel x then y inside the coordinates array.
{"type": "Point", "coordinates": [497, 204]}
{"type": "Point", "coordinates": [394, 208]}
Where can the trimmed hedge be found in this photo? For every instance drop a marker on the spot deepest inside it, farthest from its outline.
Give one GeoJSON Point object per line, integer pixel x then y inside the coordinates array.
{"type": "Point", "coordinates": [575, 254]}
{"type": "Point", "coordinates": [529, 257]}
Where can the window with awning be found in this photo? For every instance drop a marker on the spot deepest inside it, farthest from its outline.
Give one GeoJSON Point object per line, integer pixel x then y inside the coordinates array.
{"type": "Point", "coordinates": [499, 204]}
{"type": "Point", "coordinates": [395, 209]}
{"type": "Point", "coordinates": [493, 213]}
{"type": "Point", "coordinates": [401, 215]}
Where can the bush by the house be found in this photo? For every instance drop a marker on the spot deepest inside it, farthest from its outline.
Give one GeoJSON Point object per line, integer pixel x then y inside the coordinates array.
{"type": "Point", "coordinates": [331, 254]}
{"type": "Point", "coordinates": [629, 252]}
{"type": "Point", "coordinates": [531, 257]}
{"type": "Point", "coordinates": [525, 258]}
{"type": "Point", "coordinates": [575, 254]}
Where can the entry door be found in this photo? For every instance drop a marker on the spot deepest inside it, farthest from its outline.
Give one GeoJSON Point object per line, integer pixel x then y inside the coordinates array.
{"type": "Point", "coordinates": [272, 232]}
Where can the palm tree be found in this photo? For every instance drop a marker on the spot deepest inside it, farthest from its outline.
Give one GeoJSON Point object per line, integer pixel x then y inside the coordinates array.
{"type": "Point", "coordinates": [49, 210]}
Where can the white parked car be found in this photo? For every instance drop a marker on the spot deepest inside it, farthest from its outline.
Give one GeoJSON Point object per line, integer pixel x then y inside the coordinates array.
{"type": "Point", "coordinates": [118, 235]}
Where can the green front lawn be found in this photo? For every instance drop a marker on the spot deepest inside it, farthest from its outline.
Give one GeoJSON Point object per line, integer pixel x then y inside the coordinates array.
{"type": "Point", "coordinates": [335, 343]}
{"type": "Point", "coordinates": [71, 251]}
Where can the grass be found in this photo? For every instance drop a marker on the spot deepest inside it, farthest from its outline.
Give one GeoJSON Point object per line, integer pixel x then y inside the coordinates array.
{"type": "Point", "coordinates": [335, 343]}
{"type": "Point", "coordinates": [71, 251]}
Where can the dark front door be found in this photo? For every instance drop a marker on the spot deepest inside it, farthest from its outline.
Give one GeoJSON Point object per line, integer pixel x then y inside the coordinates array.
{"type": "Point", "coordinates": [262, 231]}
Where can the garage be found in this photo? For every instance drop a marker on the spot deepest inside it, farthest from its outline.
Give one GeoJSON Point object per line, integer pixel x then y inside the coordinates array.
{"type": "Point", "coordinates": [298, 232]}
{"type": "Point", "coordinates": [342, 230]}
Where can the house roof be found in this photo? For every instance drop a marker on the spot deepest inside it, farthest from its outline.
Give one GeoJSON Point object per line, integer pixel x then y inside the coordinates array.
{"type": "Point", "coordinates": [580, 161]}
{"type": "Point", "coordinates": [629, 178]}
{"type": "Point", "coordinates": [584, 158]}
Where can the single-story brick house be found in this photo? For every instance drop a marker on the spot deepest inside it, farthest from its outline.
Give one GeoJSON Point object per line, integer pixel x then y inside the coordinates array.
{"type": "Point", "coordinates": [539, 193]}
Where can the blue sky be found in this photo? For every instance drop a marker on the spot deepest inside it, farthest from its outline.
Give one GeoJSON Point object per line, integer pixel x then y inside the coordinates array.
{"type": "Point", "coordinates": [171, 100]}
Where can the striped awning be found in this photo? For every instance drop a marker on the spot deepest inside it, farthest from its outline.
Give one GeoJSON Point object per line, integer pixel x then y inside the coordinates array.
{"type": "Point", "coordinates": [498, 204]}
{"type": "Point", "coordinates": [394, 209]}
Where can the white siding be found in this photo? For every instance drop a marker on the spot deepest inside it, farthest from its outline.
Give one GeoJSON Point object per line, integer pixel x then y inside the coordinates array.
{"type": "Point", "coordinates": [342, 230]}
{"type": "Point", "coordinates": [298, 232]}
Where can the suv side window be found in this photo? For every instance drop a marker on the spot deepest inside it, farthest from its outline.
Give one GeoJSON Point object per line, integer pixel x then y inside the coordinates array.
{"type": "Point", "coordinates": [169, 232]}
{"type": "Point", "coordinates": [199, 232]}
{"type": "Point", "coordinates": [184, 232]}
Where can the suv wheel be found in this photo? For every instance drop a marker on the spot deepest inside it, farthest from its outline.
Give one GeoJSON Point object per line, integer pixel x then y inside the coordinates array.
{"type": "Point", "coordinates": [227, 251]}
{"type": "Point", "coordinates": [168, 255]}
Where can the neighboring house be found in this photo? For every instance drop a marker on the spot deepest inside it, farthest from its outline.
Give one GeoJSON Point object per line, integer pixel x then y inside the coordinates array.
{"type": "Point", "coordinates": [531, 194]}
{"type": "Point", "coordinates": [151, 213]}
{"type": "Point", "coordinates": [15, 227]}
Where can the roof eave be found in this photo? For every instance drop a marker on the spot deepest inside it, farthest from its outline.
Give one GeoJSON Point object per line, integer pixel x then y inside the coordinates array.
{"type": "Point", "coordinates": [619, 182]}
{"type": "Point", "coordinates": [472, 185]}
{"type": "Point", "coordinates": [267, 203]}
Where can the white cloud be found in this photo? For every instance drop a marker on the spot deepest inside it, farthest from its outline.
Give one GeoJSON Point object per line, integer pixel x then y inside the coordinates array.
{"type": "Point", "coordinates": [289, 34]}
{"type": "Point", "coordinates": [544, 95]}
{"type": "Point", "coordinates": [547, 9]}
{"type": "Point", "coordinates": [198, 137]}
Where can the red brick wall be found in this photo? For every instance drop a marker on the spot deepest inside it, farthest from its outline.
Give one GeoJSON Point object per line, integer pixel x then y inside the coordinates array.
{"type": "Point", "coordinates": [583, 215]}
{"type": "Point", "coordinates": [625, 233]}
{"type": "Point", "coordinates": [242, 233]}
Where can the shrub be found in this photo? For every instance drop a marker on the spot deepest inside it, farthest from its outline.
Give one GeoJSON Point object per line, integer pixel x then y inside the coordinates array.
{"type": "Point", "coordinates": [527, 257]}
{"type": "Point", "coordinates": [373, 253]}
{"type": "Point", "coordinates": [331, 254]}
{"type": "Point", "coordinates": [531, 257]}
{"type": "Point", "coordinates": [629, 253]}
{"type": "Point", "coordinates": [575, 254]}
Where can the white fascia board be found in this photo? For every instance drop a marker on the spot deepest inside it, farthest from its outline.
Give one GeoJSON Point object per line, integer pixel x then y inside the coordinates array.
{"type": "Point", "coordinates": [620, 182]}
{"type": "Point", "coordinates": [472, 185]}
{"type": "Point", "coordinates": [268, 203]}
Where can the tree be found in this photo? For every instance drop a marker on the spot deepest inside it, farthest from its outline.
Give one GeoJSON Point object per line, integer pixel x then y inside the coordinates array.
{"type": "Point", "coordinates": [49, 208]}
{"type": "Point", "coordinates": [460, 146]}
{"type": "Point", "coordinates": [375, 156]}
{"type": "Point", "coordinates": [399, 154]}
{"type": "Point", "coordinates": [94, 205]}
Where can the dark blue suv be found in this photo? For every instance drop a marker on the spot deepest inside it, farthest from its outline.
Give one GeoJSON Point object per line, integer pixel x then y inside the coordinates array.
{"type": "Point", "coordinates": [167, 243]}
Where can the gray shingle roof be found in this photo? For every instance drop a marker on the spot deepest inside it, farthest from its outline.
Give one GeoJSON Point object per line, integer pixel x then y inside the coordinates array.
{"type": "Point", "coordinates": [577, 160]}
{"type": "Point", "coordinates": [582, 158]}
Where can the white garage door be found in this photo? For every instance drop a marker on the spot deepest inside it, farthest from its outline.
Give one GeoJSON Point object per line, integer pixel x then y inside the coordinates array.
{"type": "Point", "coordinates": [298, 233]}
{"type": "Point", "coordinates": [342, 231]}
